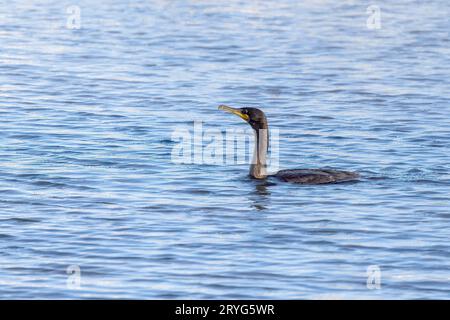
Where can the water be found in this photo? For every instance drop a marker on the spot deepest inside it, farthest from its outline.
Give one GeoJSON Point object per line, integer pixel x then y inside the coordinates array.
{"type": "Point", "coordinates": [86, 176]}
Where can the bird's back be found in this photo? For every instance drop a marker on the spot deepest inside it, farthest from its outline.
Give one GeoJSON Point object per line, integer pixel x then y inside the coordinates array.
{"type": "Point", "coordinates": [315, 176]}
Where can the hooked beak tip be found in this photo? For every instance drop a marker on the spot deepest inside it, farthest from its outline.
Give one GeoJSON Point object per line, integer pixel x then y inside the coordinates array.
{"type": "Point", "coordinates": [222, 107]}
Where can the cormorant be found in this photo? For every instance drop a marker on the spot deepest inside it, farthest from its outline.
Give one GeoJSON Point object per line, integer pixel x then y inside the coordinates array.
{"type": "Point", "coordinates": [258, 121]}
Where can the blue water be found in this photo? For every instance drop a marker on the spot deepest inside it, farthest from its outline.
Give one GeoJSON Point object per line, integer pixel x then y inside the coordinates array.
{"type": "Point", "coordinates": [86, 177]}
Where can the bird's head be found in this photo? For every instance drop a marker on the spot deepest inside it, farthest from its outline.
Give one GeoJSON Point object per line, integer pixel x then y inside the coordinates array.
{"type": "Point", "coordinates": [253, 116]}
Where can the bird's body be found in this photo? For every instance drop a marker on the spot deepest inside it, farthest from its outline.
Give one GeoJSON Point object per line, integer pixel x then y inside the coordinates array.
{"type": "Point", "coordinates": [258, 121]}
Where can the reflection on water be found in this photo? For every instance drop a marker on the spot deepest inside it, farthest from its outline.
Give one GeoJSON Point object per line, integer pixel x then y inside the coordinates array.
{"type": "Point", "coordinates": [262, 195]}
{"type": "Point", "coordinates": [86, 176]}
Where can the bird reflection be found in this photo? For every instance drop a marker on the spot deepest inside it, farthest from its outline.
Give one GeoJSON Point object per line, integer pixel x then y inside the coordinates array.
{"type": "Point", "coordinates": [261, 196]}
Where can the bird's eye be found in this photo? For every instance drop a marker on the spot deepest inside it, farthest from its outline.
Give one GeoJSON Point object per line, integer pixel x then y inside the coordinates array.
{"type": "Point", "coordinates": [244, 111]}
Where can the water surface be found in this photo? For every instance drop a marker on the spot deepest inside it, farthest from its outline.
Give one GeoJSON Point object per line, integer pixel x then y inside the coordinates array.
{"type": "Point", "coordinates": [86, 177]}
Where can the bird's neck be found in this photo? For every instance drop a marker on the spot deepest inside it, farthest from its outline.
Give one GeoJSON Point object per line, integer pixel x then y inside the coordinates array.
{"type": "Point", "coordinates": [258, 167]}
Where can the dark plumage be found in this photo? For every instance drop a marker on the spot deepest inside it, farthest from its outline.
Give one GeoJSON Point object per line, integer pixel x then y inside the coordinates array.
{"type": "Point", "coordinates": [315, 176]}
{"type": "Point", "coordinates": [258, 121]}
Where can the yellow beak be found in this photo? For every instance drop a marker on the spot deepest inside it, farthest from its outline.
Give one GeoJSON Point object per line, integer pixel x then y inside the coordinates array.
{"type": "Point", "coordinates": [234, 111]}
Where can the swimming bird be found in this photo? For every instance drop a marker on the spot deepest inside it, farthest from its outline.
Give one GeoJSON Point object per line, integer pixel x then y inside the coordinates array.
{"type": "Point", "coordinates": [258, 167]}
